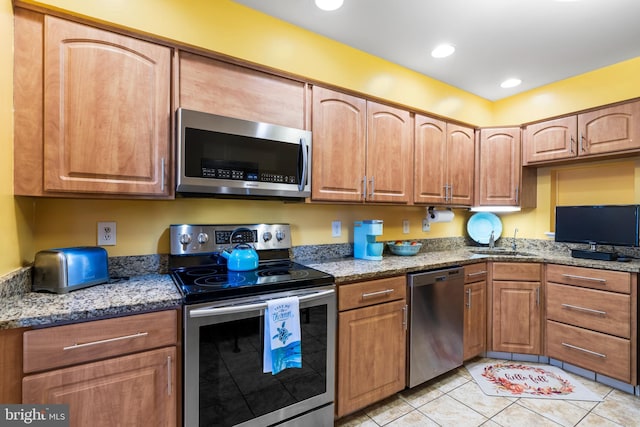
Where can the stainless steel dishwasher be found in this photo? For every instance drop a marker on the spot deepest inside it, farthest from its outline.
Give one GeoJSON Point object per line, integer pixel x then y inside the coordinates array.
{"type": "Point", "coordinates": [436, 300]}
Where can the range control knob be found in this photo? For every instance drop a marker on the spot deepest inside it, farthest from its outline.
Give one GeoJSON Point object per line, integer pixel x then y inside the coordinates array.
{"type": "Point", "coordinates": [279, 235]}
{"type": "Point", "coordinates": [266, 236]}
{"type": "Point", "coordinates": [203, 238]}
{"type": "Point", "coordinates": [185, 239]}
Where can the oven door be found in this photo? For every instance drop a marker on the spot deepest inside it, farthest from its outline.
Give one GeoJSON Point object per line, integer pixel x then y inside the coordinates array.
{"type": "Point", "coordinates": [223, 353]}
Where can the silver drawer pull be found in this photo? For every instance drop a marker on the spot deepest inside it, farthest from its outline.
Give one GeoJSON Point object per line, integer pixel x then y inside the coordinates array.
{"type": "Point", "coordinates": [377, 294]}
{"type": "Point", "coordinates": [604, 356]}
{"type": "Point", "coordinates": [125, 337]}
{"type": "Point", "coordinates": [588, 310]}
{"type": "Point", "coordinates": [593, 279]}
{"type": "Point", "coordinates": [478, 273]}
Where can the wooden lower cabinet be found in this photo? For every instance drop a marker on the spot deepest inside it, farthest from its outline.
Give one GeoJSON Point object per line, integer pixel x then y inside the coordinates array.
{"type": "Point", "coordinates": [371, 358]}
{"type": "Point", "coordinates": [131, 390]}
{"type": "Point", "coordinates": [475, 310]}
{"type": "Point", "coordinates": [517, 308]}
{"type": "Point", "coordinates": [112, 372]}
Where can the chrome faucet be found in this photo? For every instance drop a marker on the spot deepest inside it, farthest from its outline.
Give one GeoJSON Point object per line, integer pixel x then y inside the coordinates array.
{"type": "Point", "coordinates": [513, 245]}
{"type": "Point", "coordinates": [492, 240]}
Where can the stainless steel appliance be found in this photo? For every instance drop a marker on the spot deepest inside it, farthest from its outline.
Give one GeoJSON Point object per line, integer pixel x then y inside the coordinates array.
{"type": "Point", "coordinates": [63, 270]}
{"type": "Point", "coordinates": [227, 156]}
{"type": "Point", "coordinates": [223, 330]}
{"type": "Point", "coordinates": [436, 314]}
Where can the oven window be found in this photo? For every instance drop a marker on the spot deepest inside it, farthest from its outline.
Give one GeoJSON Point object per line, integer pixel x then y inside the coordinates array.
{"type": "Point", "coordinates": [233, 388]}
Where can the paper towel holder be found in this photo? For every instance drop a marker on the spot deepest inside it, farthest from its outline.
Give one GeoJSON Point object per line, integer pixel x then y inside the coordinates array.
{"type": "Point", "coordinates": [431, 212]}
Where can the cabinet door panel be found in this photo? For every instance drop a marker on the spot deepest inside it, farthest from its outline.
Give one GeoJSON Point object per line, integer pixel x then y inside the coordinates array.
{"type": "Point", "coordinates": [550, 140]}
{"type": "Point", "coordinates": [371, 355]}
{"type": "Point", "coordinates": [133, 390]}
{"type": "Point", "coordinates": [430, 160]}
{"type": "Point", "coordinates": [461, 159]}
{"type": "Point", "coordinates": [475, 319]}
{"type": "Point", "coordinates": [217, 87]}
{"type": "Point", "coordinates": [516, 317]}
{"type": "Point", "coordinates": [389, 154]}
{"type": "Point", "coordinates": [339, 138]}
{"type": "Point", "coordinates": [610, 129]}
{"type": "Point", "coordinates": [499, 160]}
{"type": "Point", "coordinates": [106, 120]}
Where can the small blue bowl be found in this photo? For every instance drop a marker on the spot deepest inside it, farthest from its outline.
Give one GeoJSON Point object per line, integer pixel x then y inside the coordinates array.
{"type": "Point", "coordinates": [404, 249]}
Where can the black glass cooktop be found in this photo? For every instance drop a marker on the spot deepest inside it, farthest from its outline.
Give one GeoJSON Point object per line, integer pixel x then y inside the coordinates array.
{"type": "Point", "coordinates": [214, 282]}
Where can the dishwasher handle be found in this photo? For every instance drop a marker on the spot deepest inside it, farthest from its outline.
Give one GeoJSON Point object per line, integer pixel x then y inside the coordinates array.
{"type": "Point", "coordinates": [437, 276]}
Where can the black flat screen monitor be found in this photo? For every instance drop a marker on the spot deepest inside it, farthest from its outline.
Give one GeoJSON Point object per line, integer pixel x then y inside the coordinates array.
{"type": "Point", "coordinates": [615, 225]}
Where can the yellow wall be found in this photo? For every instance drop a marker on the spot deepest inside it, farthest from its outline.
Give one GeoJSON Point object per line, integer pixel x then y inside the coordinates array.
{"type": "Point", "coordinates": [28, 225]}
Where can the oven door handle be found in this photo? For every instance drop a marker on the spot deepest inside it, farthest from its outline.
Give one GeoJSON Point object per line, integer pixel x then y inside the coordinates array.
{"type": "Point", "coordinates": [204, 312]}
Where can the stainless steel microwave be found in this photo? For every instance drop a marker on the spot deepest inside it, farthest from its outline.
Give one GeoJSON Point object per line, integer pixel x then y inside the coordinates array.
{"type": "Point", "coordinates": [227, 156]}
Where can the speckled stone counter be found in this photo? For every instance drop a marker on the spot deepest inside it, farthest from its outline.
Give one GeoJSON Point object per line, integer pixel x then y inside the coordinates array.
{"type": "Point", "coordinates": [136, 295]}
{"type": "Point", "coordinates": [348, 269]}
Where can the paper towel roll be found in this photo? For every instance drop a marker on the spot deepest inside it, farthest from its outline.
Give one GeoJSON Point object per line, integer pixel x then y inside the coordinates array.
{"type": "Point", "coordinates": [440, 216]}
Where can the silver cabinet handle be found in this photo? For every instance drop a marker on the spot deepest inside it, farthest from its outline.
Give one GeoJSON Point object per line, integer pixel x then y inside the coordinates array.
{"type": "Point", "coordinates": [588, 310]}
{"type": "Point", "coordinates": [88, 344]}
{"type": "Point", "coordinates": [364, 187]}
{"type": "Point", "coordinates": [477, 273]}
{"type": "Point", "coordinates": [592, 279]}
{"type": "Point", "coordinates": [604, 356]}
{"type": "Point", "coordinates": [377, 294]}
{"type": "Point", "coordinates": [446, 192]}
{"type": "Point", "coordinates": [162, 174]}
{"type": "Point", "coordinates": [573, 141]}
{"type": "Point", "coordinates": [169, 376]}
{"type": "Point", "coordinates": [582, 143]}
{"type": "Point", "coordinates": [468, 299]}
{"type": "Point", "coordinates": [405, 319]}
{"type": "Point", "coordinates": [450, 192]}
{"type": "Point", "coordinates": [372, 189]}
{"type": "Point", "coordinates": [518, 196]}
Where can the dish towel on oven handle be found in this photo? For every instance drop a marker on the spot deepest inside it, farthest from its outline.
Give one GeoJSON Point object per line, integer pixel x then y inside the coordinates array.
{"type": "Point", "coordinates": [282, 346]}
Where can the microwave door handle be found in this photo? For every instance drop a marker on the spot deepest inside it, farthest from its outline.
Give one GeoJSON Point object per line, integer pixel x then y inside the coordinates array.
{"type": "Point", "coordinates": [305, 164]}
{"type": "Point", "coordinates": [205, 312]}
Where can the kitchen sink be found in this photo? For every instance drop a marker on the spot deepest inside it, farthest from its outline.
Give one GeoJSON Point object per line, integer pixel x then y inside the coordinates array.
{"type": "Point", "coordinates": [500, 252]}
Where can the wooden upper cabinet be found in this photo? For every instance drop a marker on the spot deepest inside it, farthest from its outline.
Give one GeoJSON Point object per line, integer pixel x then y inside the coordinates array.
{"type": "Point", "coordinates": [218, 87]}
{"type": "Point", "coordinates": [606, 131]}
{"type": "Point", "coordinates": [444, 162]}
{"type": "Point", "coordinates": [610, 130]}
{"type": "Point", "coordinates": [430, 164]}
{"type": "Point", "coordinates": [339, 126]}
{"type": "Point", "coordinates": [362, 150]}
{"type": "Point", "coordinates": [461, 158]}
{"type": "Point", "coordinates": [389, 154]}
{"type": "Point", "coordinates": [105, 118]}
{"type": "Point", "coordinates": [550, 140]}
{"type": "Point", "coordinates": [499, 167]}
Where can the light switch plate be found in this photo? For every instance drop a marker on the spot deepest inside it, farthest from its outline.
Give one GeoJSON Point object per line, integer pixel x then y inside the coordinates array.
{"type": "Point", "coordinates": [405, 226]}
{"type": "Point", "coordinates": [336, 228]}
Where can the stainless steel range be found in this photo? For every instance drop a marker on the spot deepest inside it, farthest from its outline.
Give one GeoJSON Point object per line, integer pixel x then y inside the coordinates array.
{"type": "Point", "coordinates": [223, 334]}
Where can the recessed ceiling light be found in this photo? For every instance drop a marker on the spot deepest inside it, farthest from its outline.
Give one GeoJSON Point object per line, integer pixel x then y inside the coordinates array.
{"type": "Point", "coordinates": [443, 50]}
{"type": "Point", "coordinates": [329, 4]}
{"type": "Point", "coordinates": [510, 83]}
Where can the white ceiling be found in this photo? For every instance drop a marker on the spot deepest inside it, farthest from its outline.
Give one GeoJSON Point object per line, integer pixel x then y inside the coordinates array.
{"type": "Point", "coordinates": [537, 41]}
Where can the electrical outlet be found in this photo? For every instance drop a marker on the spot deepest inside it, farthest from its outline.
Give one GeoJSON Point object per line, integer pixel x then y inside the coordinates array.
{"type": "Point", "coordinates": [426, 226]}
{"type": "Point", "coordinates": [405, 226]}
{"type": "Point", "coordinates": [106, 233]}
{"type": "Point", "coordinates": [336, 228]}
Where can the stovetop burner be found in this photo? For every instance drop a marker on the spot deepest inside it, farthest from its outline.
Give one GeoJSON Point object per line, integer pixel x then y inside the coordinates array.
{"type": "Point", "coordinates": [201, 274]}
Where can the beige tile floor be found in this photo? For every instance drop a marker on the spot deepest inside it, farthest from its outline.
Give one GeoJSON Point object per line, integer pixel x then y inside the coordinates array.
{"type": "Point", "coordinates": [455, 400]}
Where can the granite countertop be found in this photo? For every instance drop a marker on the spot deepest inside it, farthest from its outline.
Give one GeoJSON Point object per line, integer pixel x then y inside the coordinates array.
{"type": "Point", "coordinates": [152, 292]}
{"type": "Point", "coordinates": [346, 270]}
{"type": "Point", "coordinates": [138, 294]}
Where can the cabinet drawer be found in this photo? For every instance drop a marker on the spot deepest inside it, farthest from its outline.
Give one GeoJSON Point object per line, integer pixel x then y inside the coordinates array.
{"type": "Point", "coordinates": [606, 280]}
{"type": "Point", "coordinates": [371, 292]}
{"type": "Point", "coordinates": [475, 272]}
{"type": "Point", "coordinates": [518, 271]}
{"type": "Point", "coordinates": [591, 350]}
{"type": "Point", "coordinates": [83, 342]}
{"type": "Point", "coordinates": [606, 312]}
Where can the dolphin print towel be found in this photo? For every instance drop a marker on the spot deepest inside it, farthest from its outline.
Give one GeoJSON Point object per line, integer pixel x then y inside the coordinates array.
{"type": "Point", "coordinates": [282, 347]}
